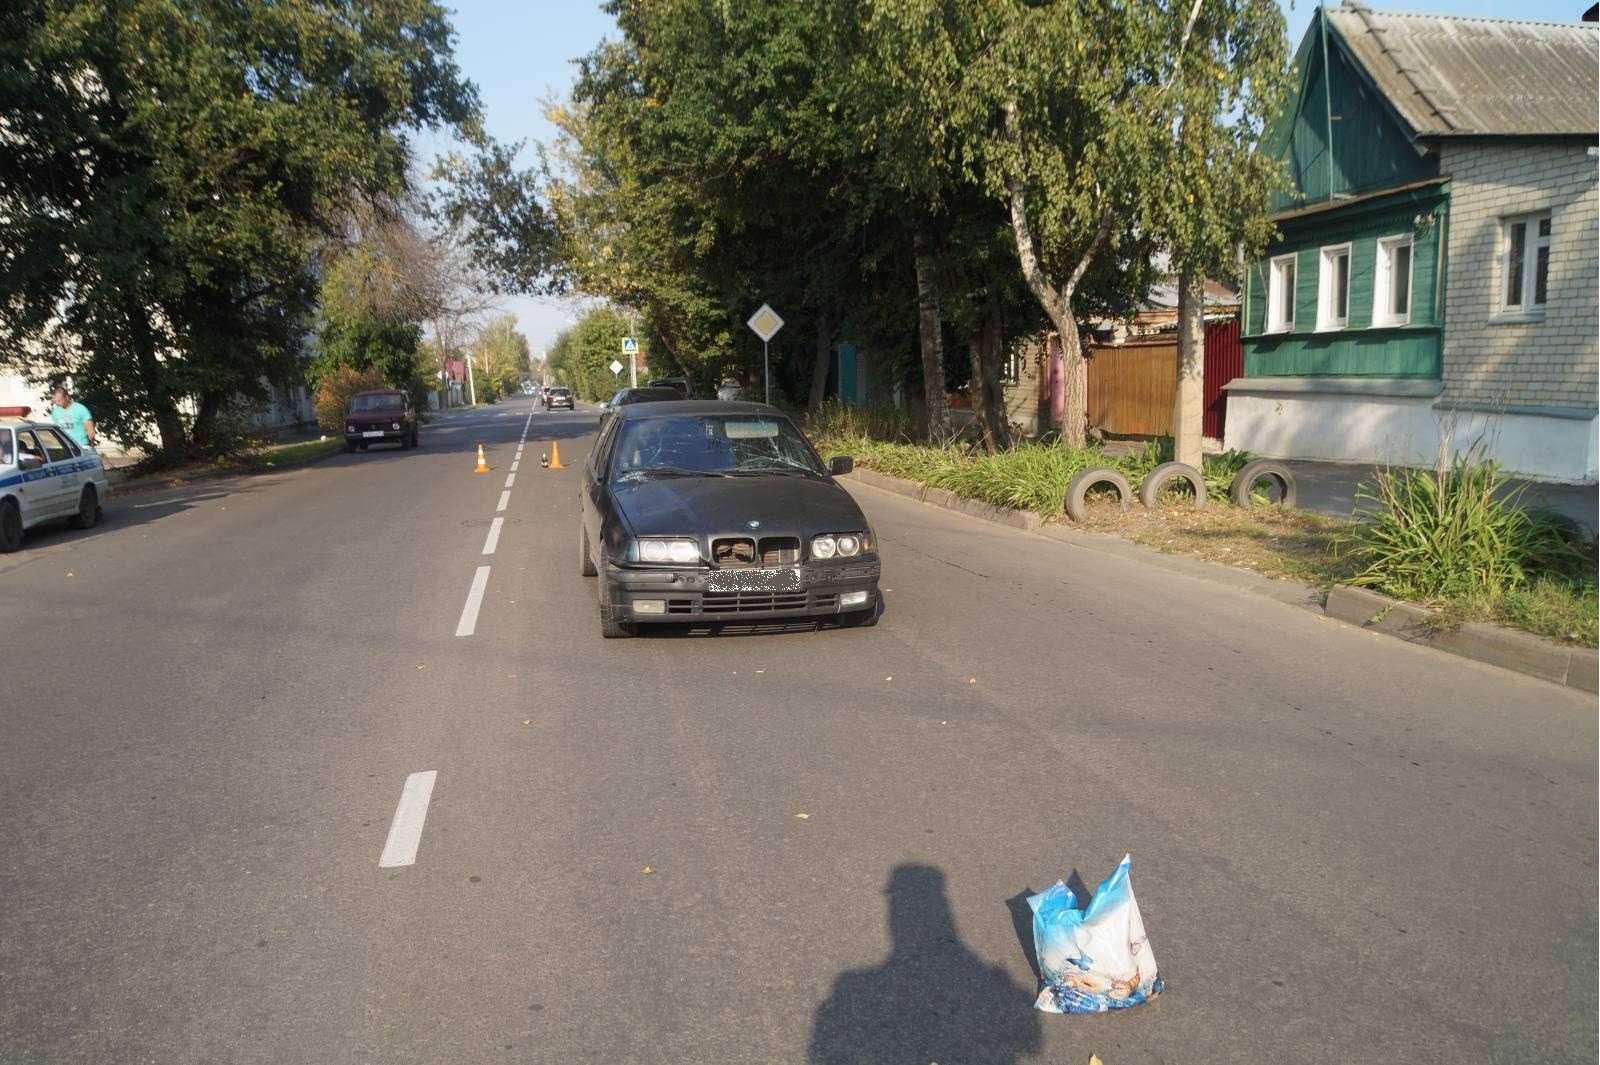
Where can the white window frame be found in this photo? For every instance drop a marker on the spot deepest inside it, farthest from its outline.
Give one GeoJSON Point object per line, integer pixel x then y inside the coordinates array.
{"type": "Point", "coordinates": [1327, 288]}
{"type": "Point", "coordinates": [1532, 243]}
{"type": "Point", "coordinates": [1276, 323]}
{"type": "Point", "coordinates": [1381, 289]}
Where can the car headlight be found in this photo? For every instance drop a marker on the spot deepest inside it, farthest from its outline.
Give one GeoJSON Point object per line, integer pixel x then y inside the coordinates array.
{"type": "Point", "coordinates": [394, 425]}
{"type": "Point", "coordinates": [676, 550]}
{"type": "Point", "coordinates": [841, 545]}
{"type": "Point", "coordinates": [349, 428]}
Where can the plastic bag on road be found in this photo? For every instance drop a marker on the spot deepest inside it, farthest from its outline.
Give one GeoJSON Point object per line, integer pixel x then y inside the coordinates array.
{"type": "Point", "coordinates": [1094, 959]}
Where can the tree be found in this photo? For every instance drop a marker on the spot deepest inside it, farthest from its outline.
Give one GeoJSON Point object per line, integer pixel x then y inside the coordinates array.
{"type": "Point", "coordinates": [168, 171]}
{"type": "Point", "coordinates": [502, 353]}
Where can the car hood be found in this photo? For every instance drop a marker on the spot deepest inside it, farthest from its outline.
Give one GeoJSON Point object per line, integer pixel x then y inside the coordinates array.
{"type": "Point", "coordinates": [381, 414]}
{"type": "Point", "coordinates": [693, 506]}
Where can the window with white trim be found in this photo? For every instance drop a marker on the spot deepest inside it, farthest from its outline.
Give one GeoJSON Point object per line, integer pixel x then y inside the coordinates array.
{"type": "Point", "coordinates": [1333, 288]}
{"type": "Point", "coordinates": [1391, 292]}
{"type": "Point", "coordinates": [1280, 294]}
{"type": "Point", "coordinates": [1525, 263]}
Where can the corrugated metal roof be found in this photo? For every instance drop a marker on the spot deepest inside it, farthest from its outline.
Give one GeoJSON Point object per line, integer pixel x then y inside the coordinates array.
{"type": "Point", "coordinates": [1455, 76]}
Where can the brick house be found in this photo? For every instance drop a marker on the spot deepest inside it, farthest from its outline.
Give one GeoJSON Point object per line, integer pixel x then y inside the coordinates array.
{"type": "Point", "coordinates": [1435, 281]}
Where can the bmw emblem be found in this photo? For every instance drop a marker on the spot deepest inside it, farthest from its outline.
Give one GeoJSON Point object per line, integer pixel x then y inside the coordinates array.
{"type": "Point", "coordinates": [753, 524]}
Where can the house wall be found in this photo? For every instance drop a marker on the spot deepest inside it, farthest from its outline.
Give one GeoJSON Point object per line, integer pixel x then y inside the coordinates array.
{"type": "Point", "coordinates": [1497, 362]}
{"type": "Point", "coordinates": [1022, 389]}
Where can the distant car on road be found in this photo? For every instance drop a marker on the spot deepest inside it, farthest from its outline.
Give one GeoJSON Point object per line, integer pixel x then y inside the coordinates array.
{"type": "Point", "coordinates": [528, 388]}
{"type": "Point", "coordinates": [559, 397]}
{"type": "Point", "coordinates": [684, 388]}
{"type": "Point", "coordinates": [703, 511]}
{"type": "Point", "coordinates": [44, 476]}
{"type": "Point", "coordinates": [625, 397]}
{"type": "Point", "coordinates": [381, 416]}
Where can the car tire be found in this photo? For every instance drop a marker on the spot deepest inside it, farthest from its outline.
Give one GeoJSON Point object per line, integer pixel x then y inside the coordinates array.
{"type": "Point", "coordinates": [10, 526]}
{"type": "Point", "coordinates": [1078, 490]}
{"type": "Point", "coordinates": [1156, 479]}
{"type": "Point", "coordinates": [88, 509]}
{"type": "Point", "coordinates": [349, 447]}
{"type": "Point", "coordinates": [1278, 477]}
{"type": "Point", "coordinates": [405, 441]}
{"type": "Point", "coordinates": [363, 447]}
{"type": "Point", "coordinates": [610, 627]}
{"type": "Point", "coordinates": [585, 554]}
{"type": "Point", "coordinates": [416, 437]}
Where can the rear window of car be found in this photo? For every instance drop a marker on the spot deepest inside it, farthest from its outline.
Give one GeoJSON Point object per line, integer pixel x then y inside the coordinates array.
{"type": "Point", "coordinates": [382, 401]}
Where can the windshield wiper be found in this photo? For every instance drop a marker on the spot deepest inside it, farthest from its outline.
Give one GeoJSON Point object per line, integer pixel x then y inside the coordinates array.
{"type": "Point", "coordinates": [666, 471]}
{"type": "Point", "coordinates": [773, 466]}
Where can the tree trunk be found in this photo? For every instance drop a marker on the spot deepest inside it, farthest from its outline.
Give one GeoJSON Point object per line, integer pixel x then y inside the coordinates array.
{"type": "Point", "coordinates": [169, 422]}
{"type": "Point", "coordinates": [1074, 382]}
{"type": "Point", "coordinates": [819, 371]}
{"type": "Point", "coordinates": [988, 397]}
{"type": "Point", "coordinates": [936, 424]}
{"type": "Point", "coordinates": [1189, 404]}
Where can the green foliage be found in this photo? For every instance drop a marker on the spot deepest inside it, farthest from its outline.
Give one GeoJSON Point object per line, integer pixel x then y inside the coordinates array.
{"type": "Point", "coordinates": [1456, 534]}
{"type": "Point", "coordinates": [336, 388]}
{"type": "Point", "coordinates": [581, 356]}
{"type": "Point", "coordinates": [500, 358]}
{"type": "Point", "coordinates": [171, 168]}
{"type": "Point", "coordinates": [836, 420]}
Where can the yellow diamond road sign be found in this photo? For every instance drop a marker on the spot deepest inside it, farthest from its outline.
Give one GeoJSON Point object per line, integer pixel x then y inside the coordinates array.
{"type": "Point", "coordinates": [765, 323]}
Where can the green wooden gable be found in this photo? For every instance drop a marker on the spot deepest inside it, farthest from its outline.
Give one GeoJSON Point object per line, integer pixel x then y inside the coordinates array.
{"type": "Point", "coordinates": [1371, 147]}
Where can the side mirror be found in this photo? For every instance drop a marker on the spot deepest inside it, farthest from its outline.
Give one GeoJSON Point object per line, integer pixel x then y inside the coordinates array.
{"type": "Point", "coordinates": [840, 465]}
{"type": "Point", "coordinates": [29, 462]}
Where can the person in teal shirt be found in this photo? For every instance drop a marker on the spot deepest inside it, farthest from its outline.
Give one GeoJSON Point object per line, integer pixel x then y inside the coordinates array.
{"type": "Point", "coordinates": [74, 418]}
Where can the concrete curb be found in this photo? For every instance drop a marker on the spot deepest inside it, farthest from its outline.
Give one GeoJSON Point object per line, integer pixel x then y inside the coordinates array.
{"type": "Point", "coordinates": [1521, 652]}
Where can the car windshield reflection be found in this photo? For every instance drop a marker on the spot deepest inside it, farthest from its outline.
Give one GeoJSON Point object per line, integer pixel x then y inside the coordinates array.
{"type": "Point", "coordinates": [717, 445]}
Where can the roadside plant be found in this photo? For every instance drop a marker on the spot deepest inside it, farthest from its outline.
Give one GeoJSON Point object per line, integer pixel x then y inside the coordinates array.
{"type": "Point", "coordinates": [338, 385]}
{"type": "Point", "coordinates": [1460, 532]}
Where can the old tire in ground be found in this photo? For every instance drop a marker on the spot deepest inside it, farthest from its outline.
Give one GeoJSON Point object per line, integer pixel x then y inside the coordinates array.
{"type": "Point", "coordinates": [1150, 489]}
{"type": "Point", "coordinates": [610, 627]}
{"type": "Point", "coordinates": [1279, 478]}
{"type": "Point", "coordinates": [10, 526]}
{"type": "Point", "coordinates": [1078, 490]}
{"type": "Point", "coordinates": [585, 556]}
{"type": "Point", "coordinates": [88, 509]}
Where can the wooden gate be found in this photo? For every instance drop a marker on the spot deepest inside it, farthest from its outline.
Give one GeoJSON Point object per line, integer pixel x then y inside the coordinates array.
{"type": "Point", "coordinates": [1133, 385]}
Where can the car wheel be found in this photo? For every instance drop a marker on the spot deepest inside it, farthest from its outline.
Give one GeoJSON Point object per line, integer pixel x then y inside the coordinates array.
{"type": "Point", "coordinates": [405, 441]}
{"type": "Point", "coordinates": [10, 526]}
{"type": "Point", "coordinates": [610, 627]}
{"type": "Point", "coordinates": [363, 447]}
{"type": "Point", "coordinates": [88, 509]}
{"type": "Point", "coordinates": [349, 447]}
{"type": "Point", "coordinates": [585, 554]}
{"type": "Point", "coordinates": [416, 437]}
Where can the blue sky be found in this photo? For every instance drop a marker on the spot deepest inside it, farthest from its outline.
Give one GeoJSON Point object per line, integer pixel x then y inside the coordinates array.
{"type": "Point", "coordinates": [521, 53]}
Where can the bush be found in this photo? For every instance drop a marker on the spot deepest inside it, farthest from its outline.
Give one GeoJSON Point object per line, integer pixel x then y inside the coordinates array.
{"type": "Point", "coordinates": [838, 420]}
{"type": "Point", "coordinates": [1456, 534]}
{"type": "Point", "coordinates": [338, 385]}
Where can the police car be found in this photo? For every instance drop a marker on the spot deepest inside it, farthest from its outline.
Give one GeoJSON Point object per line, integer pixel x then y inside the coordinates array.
{"type": "Point", "coordinates": [44, 475]}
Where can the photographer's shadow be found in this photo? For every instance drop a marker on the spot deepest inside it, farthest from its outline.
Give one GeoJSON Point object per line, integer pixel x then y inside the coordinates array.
{"type": "Point", "coordinates": [931, 1000]}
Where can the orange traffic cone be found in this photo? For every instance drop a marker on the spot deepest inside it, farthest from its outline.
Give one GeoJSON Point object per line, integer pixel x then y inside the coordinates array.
{"type": "Point", "coordinates": [555, 456]}
{"type": "Point", "coordinates": [483, 463]}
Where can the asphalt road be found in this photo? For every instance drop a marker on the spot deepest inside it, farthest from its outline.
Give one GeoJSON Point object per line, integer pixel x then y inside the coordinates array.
{"type": "Point", "coordinates": [1346, 848]}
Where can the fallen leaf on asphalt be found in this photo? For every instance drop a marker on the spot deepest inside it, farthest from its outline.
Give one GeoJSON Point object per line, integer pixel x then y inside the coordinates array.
{"type": "Point", "coordinates": [803, 817]}
{"type": "Point", "coordinates": [1094, 1059]}
{"type": "Point", "coordinates": [69, 573]}
{"type": "Point", "coordinates": [649, 871]}
{"type": "Point", "coordinates": [422, 667]}
{"type": "Point", "coordinates": [972, 680]}
{"type": "Point", "coordinates": [528, 722]}
{"type": "Point", "coordinates": [760, 671]}
{"type": "Point", "coordinates": [888, 678]}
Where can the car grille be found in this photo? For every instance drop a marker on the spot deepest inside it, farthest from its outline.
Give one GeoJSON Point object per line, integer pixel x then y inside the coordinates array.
{"type": "Point", "coordinates": [754, 602]}
{"type": "Point", "coordinates": [742, 552]}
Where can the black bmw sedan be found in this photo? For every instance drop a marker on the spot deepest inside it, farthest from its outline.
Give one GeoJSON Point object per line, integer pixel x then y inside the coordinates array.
{"type": "Point", "coordinates": [720, 512]}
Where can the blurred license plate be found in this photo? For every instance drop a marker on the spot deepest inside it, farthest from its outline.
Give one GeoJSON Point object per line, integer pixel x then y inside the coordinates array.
{"type": "Point", "coordinates": [754, 580]}
{"type": "Point", "coordinates": [373, 432]}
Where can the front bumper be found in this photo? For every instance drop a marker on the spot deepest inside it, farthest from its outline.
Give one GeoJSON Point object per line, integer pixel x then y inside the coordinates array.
{"type": "Point", "coordinates": [693, 595]}
{"type": "Point", "coordinates": [374, 434]}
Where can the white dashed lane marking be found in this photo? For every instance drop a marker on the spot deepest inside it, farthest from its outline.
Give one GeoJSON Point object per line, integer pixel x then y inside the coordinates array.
{"type": "Point", "coordinates": [511, 479]}
{"type": "Point", "coordinates": [505, 497]}
{"type": "Point", "coordinates": [494, 536]}
{"type": "Point", "coordinates": [469, 613]}
{"type": "Point", "coordinates": [405, 832]}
